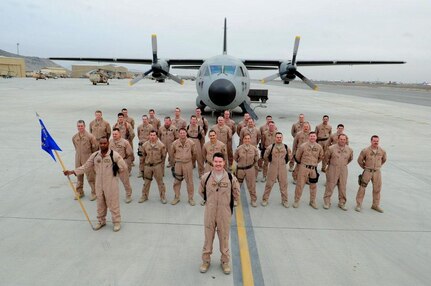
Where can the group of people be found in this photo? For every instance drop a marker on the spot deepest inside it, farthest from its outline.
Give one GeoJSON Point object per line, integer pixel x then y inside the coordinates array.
{"type": "Point", "coordinates": [103, 155]}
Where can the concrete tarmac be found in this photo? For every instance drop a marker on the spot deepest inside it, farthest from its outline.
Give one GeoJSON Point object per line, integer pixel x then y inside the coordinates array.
{"type": "Point", "coordinates": [45, 239]}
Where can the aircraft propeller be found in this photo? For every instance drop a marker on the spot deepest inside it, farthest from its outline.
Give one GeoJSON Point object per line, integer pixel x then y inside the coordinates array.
{"type": "Point", "coordinates": [156, 67]}
{"type": "Point", "coordinates": [291, 71]}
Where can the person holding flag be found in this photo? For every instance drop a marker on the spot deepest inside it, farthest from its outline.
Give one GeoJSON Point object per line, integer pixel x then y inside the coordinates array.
{"type": "Point", "coordinates": [106, 163]}
{"type": "Point", "coordinates": [48, 145]}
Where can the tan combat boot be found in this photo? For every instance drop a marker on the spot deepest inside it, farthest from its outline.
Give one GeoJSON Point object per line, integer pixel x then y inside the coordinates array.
{"type": "Point", "coordinates": [204, 266]}
{"type": "Point", "coordinates": [175, 201]}
{"type": "Point", "coordinates": [295, 204]}
{"type": "Point", "coordinates": [80, 196]}
{"type": "Point", "coordinates": [225, 267]}
{"type": "Point", "coordinates": [313, 205]}
{"type": "Point", "coordinates": [342, 206]}
{"type": "Point", "coordinates": [128, 199]}
{"type": "Point", "coordinates": [326, 206]}
{"type": "Point", "coordinates": [99, 226]}
{"type": "Point", "coordinates": [192, 202]}
{"type": "Point", "coordinates": [253, 204]}
{"type": "Point", "coordinates": [358, 208]}
{"type": "Point", "coordinates": [143, 199]}
{"type": "Point", "coordinates": [264, 203]}
{"type": "Point", "coordinates": [377, 209]}
{"type": "Point", "coordinates": [285, 204]}
{"type": "Point", "coordinates": [117, 226]}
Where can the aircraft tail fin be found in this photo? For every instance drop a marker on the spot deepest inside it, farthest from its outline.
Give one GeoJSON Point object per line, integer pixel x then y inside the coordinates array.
{"type": "Point", "coordinates": [224, 39]}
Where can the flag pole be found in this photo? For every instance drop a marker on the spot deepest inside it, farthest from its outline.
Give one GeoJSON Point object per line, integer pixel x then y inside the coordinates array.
{"type": "Point", "coordinates": [74, 189]}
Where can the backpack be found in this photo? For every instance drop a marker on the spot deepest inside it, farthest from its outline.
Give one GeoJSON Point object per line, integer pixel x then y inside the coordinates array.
{"type": "Point", "coordinates": [115, 167]}
{"type": "Point", "coordinates": [199, 132]}
{"type": "Point", "coordinates": [286, 158]}
{"type": "Point", "coordinates": [231, 190]}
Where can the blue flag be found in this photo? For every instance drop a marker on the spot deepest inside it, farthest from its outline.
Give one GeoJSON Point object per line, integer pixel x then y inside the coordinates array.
{"type": "Point", "coordinates": [47, 142]}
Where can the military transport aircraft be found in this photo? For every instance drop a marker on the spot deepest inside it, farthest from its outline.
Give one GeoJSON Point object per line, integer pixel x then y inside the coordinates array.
{"type": "Point", "coordinates": [223, 81]}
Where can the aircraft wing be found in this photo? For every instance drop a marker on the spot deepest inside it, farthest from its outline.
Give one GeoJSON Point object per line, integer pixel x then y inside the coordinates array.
{"type": "Point", "coordinates": [264, 64]}
{"type": "Point", "coordinates": [109, 60]}
{"type": "Point", "coordinates": [330, 63]}
{"type": "Point", "coordinates": [184, 63]}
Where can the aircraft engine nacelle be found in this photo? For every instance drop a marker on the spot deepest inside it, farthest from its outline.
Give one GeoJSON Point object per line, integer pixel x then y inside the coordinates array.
{"type": "Point", "coordinates": [158, 67]}
{"type": "Point", "coordinates": [287, 71]}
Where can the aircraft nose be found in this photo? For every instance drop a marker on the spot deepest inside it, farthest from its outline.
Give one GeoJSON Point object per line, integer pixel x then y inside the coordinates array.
{"type": "Point", "coordinates": [222, 92]}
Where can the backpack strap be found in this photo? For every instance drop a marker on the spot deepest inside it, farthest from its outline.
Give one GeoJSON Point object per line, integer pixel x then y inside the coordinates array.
{"type": "Point", "coordinates": [231, 193]}
{"type": "Point", "coordinates": [231, 190]}
{"type": "Point", "coordinates": [270, 153]}
{"type": "Point", "coordinates": [205, 186]}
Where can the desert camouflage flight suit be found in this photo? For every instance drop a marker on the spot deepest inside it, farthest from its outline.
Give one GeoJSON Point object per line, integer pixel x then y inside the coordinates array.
{"type": "Point", "coordinates": [168, 135]}
{"type": "Point", "coordinates": [224, 133]}
{"type": "Point", "coordinates": [337, 159]}
{"type": "Point", "coordinates": [217, 215]}
{"type": "Point", "coordinates": [153, 156]}
{"type": "Point", "coordinates": [107, 194]}
{"type": "Point", "coordinates": [203, 123]}
{"type": "Point", "coordinates": [123, 148]}
{"type": "Point", "coordinates": [143, 136]}
{"type": "Point", "coordinates": [246, 156]}
{"type": "Point", "coordinates": [100, 128]}
{"type": "Point", "coordinates": [268, 138]}
{"type": "Point", "coordinates": [126, 131]}
{"type": "Point", "coordinates": [179, 123]}
{"type": "Point", "coordinates": [208, 152]}
{"type": "Point", "coordinates": [309, 155]}
{"type": "Point", "coordinates": [277, 169]}
{"type": "Point", "coordinates": [296, 128]}
{"type": "Point", "coordinates": [371, 161]}
{"type": "Point", "coordinates": [85, 145]}
{"type": "Point", "coordinates": [300, 138]}
{"type": "Point", "coordinates": [183, 154]}
{"type": "Point", "coordinates": [231, 124]}
{"type": "Point", "coordinates": [193, 133]}
{"type": "Point", "coordinates": [323, 133]}
{"type": "Point", "coordinates": [155, 122]}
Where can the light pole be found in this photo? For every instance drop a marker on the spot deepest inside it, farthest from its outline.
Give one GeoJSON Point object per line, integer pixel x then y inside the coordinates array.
{"type": "Point", "coordinates": [17, 48]}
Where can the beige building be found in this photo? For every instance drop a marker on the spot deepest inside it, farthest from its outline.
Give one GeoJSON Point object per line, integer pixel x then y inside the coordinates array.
{"type": "Point", "coordinates": [12, 67]}
{"type": "Point", "coordinates": [79, 71]}
{"type": "Point", "coordinates": [55, 71]}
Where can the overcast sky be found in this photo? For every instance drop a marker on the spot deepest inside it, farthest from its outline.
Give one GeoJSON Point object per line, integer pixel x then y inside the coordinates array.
{"type": "Point", "coordinates": [329, 30]}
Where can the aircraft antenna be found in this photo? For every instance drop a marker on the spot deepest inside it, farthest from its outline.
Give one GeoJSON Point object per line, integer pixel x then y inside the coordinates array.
{"type": "Point", "coordinates": [224, 39]}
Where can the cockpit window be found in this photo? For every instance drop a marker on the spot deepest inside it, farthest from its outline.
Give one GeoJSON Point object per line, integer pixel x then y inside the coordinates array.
{"type": "Point", "coordinates": [229, 69]}
{"type": "Point", "coordinates": [240, 72]}
{"type": "Point", "coordinates": [207, 71]}
{"type": "Point", "coordinates": [215, 69]}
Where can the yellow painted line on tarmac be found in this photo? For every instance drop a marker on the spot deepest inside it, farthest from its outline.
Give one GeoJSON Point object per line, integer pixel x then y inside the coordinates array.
{"type": "Point", "coordinates": [247, 273]}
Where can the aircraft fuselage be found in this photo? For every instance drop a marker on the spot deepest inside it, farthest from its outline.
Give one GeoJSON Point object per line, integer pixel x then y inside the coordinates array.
{"type": "Point", "coordinates": [222, 83]}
